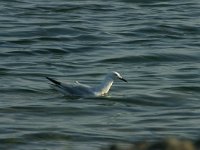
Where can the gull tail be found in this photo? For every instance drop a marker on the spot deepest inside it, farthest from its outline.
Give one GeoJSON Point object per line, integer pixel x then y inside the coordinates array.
{"type": "Point", "coordinates": [58, 86]}
{"type": "Point", "coordinates": [54, 81]}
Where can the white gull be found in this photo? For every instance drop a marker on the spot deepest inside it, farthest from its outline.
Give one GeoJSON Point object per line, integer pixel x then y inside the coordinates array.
{"type": "Point", "coordinates": [78, 89]}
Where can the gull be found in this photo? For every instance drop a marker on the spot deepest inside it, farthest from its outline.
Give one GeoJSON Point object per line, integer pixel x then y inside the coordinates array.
{"type": "Point", "coordinates": [78, 89]}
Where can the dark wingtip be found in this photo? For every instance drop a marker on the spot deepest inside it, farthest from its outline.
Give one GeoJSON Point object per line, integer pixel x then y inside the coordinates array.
{"type": "Point", "coordinates": [54, 81]}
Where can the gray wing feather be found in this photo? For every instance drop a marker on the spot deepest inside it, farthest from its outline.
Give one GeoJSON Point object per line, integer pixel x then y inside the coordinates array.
{"type": "Point", "coordinates": [77, 89]}
{"type": "Point", "coordinates": [71, 89]}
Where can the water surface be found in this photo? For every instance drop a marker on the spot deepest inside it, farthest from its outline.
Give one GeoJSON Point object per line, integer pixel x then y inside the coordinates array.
{"type": "Point", "coordinates": [153, 44]}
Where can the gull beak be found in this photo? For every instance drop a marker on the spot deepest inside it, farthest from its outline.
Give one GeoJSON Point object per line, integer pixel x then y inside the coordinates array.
{"type": "Point", "coordinates": [123, 79]}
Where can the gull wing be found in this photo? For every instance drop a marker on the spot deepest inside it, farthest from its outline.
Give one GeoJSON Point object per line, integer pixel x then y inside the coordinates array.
{"type": "Point", "coordinates": [75, 89]}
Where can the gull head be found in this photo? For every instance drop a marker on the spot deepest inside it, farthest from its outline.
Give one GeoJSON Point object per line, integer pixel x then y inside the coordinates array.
{"type": "Point", "coordinates": [115, 75]}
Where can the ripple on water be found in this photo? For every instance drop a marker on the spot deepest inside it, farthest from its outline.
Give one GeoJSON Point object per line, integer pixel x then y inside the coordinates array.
{"type": "Point", "coordinates": [153, 58]}
{"type": "Point", "coordinates": [153, 43]}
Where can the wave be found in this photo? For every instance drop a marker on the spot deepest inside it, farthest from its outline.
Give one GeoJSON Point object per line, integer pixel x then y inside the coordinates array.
{"type": "Point", "coordinates": [152, 58]}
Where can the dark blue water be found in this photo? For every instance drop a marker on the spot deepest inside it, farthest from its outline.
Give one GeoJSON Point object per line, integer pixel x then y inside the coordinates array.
{"type": "Point", "coordinates": [154, 44]}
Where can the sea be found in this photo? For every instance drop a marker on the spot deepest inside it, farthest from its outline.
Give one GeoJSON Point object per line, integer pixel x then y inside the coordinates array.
{"type": "Point", "coordinates": [153, 44]}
